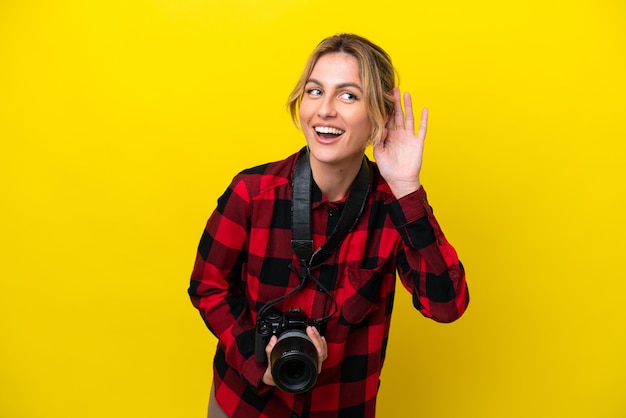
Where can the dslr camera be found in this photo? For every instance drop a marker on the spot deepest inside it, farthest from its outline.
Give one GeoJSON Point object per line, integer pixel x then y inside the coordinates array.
{"type": "Point", "coordinates": [293, 360]}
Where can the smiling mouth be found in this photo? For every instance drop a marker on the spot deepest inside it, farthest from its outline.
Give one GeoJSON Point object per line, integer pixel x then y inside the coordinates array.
{"type": "Point", "coordinates": [328, 132]}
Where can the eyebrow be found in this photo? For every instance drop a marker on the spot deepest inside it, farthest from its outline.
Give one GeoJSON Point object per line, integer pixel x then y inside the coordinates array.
{"type": "Point", "coordinates": [338, 86]}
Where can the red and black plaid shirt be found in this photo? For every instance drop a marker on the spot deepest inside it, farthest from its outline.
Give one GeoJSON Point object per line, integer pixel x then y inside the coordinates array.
{"type": "Point", "coordinates": [243, 262]}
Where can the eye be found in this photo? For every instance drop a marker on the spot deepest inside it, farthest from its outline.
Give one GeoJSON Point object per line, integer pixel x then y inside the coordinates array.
{"type": "Point", "coordinates": [314, 92]}
{"type": "Point", "coordinates": [349, 97]}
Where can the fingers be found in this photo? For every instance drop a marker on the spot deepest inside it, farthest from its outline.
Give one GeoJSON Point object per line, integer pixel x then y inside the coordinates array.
{"type": "Point", "coordinates": [320, 344]}
{"type": "Point", "coordinates": [268, 379]}
{"type": "Point", "coordinates": [398, 114]}
{"type": "Point", "coordinates": [403, 118]}
{"type": "Point", "coordinates": [409, 123]}
{"type": "Point", "coordinates": [318, 341]}
{"type": "Point", "coordinates": [270, 346]}
{"type": "Point", "coordinates": [421, 134]}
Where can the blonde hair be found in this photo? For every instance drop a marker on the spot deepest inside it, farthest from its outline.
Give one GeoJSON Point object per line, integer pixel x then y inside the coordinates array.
{"type": "Point", "coordinates": [377, 75]}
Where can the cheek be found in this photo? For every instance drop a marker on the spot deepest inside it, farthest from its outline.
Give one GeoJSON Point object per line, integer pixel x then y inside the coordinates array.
{"type": "Point", "coordinates": [304, 117]}
{"type": "Point", "coordinates": [305, 109]}
{"type": "Point", "coordinates": [360, 116]}
{"type": "Point", "coordinates": [364, 124]}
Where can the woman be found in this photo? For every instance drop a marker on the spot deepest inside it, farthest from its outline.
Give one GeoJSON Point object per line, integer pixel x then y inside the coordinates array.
{"type": "Point", "coordinates": [247, 266]}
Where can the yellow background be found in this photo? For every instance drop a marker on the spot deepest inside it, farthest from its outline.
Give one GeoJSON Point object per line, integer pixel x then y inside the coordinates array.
{"type": "Point", "coordinates": [121, 122]}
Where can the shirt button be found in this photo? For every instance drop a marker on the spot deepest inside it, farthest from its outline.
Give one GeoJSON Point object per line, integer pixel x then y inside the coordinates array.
{"type": "Point", "coordinates": [332, 212]}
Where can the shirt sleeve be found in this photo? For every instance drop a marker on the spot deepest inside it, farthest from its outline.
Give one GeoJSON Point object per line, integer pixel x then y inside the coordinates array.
{"type": "Point", "coordinates": [428, 265]}
{"type": "Point", "coordinates": [215, 286]}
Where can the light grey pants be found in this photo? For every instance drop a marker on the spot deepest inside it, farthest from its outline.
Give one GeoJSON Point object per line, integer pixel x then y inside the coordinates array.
{"type": "Point", "coordinates": [214, 409]}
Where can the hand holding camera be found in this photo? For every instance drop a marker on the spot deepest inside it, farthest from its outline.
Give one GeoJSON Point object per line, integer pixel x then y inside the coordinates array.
{"type": "Point", "coordinates": [293, 349]}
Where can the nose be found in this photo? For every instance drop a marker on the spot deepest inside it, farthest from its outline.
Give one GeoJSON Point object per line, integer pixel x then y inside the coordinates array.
{"type": "Point", "coordinates": [327, 108]}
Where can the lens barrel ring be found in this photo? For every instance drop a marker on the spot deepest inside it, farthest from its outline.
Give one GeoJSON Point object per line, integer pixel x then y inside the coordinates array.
{"type": "Point", "coordinates": [294, 361]}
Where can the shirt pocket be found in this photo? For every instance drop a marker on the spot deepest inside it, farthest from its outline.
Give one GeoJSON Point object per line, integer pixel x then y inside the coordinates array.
{"type": "Point", "coordinates": [361, 294]}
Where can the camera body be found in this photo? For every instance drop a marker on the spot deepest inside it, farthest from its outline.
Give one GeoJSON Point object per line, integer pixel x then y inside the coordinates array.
{"type": "Point", "coordinates": [294, 359]}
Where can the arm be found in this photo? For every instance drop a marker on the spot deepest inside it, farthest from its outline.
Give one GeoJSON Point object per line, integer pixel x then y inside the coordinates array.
{"type": "Point", "coordinates": [427, 263]}
{"type": "Point", "coordinates": [216, 287]}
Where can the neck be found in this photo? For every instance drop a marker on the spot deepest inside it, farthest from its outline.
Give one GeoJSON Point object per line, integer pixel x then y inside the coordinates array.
{"type": "Point", "coordinates": [334, 181]}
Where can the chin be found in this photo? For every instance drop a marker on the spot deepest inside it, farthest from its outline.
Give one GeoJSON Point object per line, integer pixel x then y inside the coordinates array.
{"type": "Point", "coordinates": [324, 153]}
{"type": "Point", "coordinates": [333, 155]}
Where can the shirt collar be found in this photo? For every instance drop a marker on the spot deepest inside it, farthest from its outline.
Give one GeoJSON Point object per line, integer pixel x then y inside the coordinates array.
{"type": "Point", "coordinates": [318, 199]}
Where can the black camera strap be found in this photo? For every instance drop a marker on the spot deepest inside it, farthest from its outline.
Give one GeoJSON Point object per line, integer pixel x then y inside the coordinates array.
{"type": "Point", "coordinates": [301, 238]}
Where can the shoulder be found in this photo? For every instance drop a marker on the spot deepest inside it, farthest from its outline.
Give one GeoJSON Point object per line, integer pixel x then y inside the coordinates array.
{"type": "Point", "coordinates": [265, 177]}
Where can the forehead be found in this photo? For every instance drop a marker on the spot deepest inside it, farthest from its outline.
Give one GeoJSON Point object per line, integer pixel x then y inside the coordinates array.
{"type": "Point", "coordinates": [337, 67]}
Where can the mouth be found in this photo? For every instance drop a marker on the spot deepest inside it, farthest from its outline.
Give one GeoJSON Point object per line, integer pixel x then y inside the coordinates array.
{"type": "Point", "coordinates": [328, 132]}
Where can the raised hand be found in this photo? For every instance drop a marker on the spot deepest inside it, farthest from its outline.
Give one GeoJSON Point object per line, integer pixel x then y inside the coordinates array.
{"type": "Point", "coordinates": [399, 154]}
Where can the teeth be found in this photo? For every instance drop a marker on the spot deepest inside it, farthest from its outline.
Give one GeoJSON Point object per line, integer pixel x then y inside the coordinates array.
{"type": "Point", "coordinates": [328, 130]}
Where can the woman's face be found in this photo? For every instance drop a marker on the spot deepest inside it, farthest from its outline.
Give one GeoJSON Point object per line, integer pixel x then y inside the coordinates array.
{"type": "Point", "coordinates": [333, 113]}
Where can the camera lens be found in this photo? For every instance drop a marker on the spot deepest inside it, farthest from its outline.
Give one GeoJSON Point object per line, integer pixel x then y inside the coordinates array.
{"type": "Point", "coordinates": [294, 362]}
